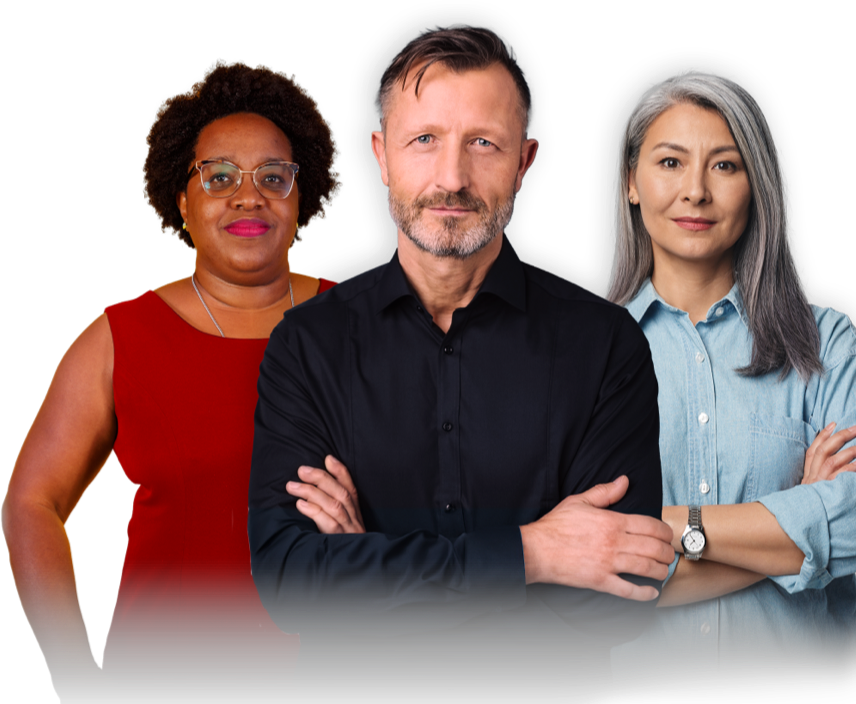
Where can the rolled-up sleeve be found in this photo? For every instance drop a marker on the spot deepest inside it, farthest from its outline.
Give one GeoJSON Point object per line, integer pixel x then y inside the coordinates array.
{"type": "Point", "coordinates": [821, 517]}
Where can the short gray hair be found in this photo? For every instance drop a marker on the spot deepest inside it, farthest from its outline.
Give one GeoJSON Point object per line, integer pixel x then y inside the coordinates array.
{"type": "Point", "coordinates": [459, 48]}
{"type": "Point", "coordinates": [784, 333]}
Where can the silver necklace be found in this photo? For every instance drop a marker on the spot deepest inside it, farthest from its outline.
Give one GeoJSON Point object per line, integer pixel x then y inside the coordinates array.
{"type": "Point", "coordinates": [211, 315]}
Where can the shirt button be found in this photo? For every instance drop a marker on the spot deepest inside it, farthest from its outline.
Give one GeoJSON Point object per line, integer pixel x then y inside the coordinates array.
{"type": "Point", "coordinates": [704, 487]}
{"type": "Point", "coordinates": [705, 628]}
{"type": "Point", "coordinates": [703, 418]}
{"type": "Point", "coordinates": [450, 508]}
{"type": "Point", "coordinates": [719, 311]}
{"type": "Point", "coordinates": [419, 308]}
{"type": "Point", "coordinates": [447, 426]}
{"type": "Point", "coordinates": [699, 357]}
{"type": "Point", "coordinates": [448, 349]}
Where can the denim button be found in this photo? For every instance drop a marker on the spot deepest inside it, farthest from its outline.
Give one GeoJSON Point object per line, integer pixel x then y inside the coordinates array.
{"type": "Point", "coordinates": [704, 487]}
{"type": "Point", "coordinates": [703, 418]}
{"type": "Point", "coordinates": [699, 357]}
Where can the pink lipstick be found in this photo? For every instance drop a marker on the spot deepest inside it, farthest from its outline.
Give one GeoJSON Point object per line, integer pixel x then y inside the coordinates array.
{"type": "Point", "coordinates": [248, 227]}
{"type": "Point", "coordinates": [694, 223]}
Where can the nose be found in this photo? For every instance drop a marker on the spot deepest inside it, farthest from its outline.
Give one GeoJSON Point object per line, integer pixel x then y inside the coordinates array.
{"type": "Point", "coordinates": [247, 197]}
{"type": "Point", "coordinates": [452, 168]}
{"type": "Point", "coordinates": [694, 185]}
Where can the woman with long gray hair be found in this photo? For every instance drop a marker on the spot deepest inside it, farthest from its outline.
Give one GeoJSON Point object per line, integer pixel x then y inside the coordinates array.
{"type": "Point", "coordinates": [758, 485]}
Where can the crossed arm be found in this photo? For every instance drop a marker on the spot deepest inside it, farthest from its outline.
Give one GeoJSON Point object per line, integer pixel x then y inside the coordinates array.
{"type": "Point", "coordinates": [577, 544]}
{"type": "Point", "coordinates": [746, 542]}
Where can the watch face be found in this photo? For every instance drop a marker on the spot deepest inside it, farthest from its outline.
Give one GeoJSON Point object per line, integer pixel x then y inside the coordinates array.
{"type": "Point", "coordinates": [694, 541]}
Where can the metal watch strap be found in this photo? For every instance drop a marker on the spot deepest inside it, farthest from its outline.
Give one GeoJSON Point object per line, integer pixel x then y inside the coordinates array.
{"type": "Point", "coordinates": [694, 520]}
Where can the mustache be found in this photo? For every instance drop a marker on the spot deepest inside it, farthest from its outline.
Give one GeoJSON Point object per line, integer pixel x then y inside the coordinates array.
{"type": "Point", "coordinates": [460, 199]}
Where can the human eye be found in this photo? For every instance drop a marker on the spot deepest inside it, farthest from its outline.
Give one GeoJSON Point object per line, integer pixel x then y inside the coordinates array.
{"type": "Point", "coordinates": [670, 162]}
{"type": "Point", "coordinates": [218, 176]}
{"type": "Point", "coordinates": [729, 166]}
{"type": "Point", "coordinates": [423, 139]}
{"type": "Point", "coordinates": [273, 178]}
{"type": "Point", "coordinates": [482, 142]}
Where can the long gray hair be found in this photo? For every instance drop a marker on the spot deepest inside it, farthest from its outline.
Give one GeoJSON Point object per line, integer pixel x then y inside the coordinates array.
{"type": "Point", "coordinates": [784, 333]}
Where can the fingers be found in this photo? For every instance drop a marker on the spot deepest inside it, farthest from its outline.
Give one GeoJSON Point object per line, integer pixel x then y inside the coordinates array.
{"type": "Point", "coordinates": [834, 443]}
{"type": "Point", "coordinates": [604, 495]}
{"type": "Point", "coordinates": [326, 524]}
{"type": "Point", "coordinates": [825, 458]}
{"type": "Point", "coordinates": [647, 526]}
{"type": "Point", "coordinates": [338, 470]}
{"type": "Point", "coordinates": [324, 492]}
{"type": "Point", "coordinates": [613, 584]}
{"type": "Point", "coordinates": [648, 548]}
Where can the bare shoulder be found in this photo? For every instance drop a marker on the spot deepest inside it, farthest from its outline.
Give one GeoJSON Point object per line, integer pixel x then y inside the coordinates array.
{"type": "Point", "coordinates": [75, 428]}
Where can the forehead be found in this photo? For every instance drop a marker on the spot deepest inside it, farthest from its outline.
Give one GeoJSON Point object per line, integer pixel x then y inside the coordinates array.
{"type": "Point", "coordinates": [448, 98]}
{"type": "Point", "coordinates": [691, 124]}
{"type": "Point", "coordinates": [244, 138]}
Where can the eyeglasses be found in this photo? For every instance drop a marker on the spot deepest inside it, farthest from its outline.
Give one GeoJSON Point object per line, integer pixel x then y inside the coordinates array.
{"type": "Point", "coordinates": [221, 179]}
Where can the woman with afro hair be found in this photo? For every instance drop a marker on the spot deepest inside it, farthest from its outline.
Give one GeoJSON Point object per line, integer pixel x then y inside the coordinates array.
{"type": "Point", "coordinates": [168, 382]}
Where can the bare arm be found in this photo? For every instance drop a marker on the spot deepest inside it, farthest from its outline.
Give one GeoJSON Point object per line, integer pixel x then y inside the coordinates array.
{"type": "Point", "coordinates": [702, 580]}
{"type": "Point", "coordinates": [745, 541]}
{"type": "Point", "coordinates": [742, 535]}
{"type": "Point", "coordinates": [67, 445]}
{"type": "Point", "coordinates": [748, 535]}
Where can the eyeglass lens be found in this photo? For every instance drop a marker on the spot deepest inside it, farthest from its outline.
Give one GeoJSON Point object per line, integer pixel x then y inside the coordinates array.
{"type": "Point", "coordinates": [221, 179]}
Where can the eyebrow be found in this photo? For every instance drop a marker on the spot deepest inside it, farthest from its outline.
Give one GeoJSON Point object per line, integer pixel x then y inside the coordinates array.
{"type": "Point", "coordinates": [684, 150]}
{"type": "Point", "coordinates": [267, 159]}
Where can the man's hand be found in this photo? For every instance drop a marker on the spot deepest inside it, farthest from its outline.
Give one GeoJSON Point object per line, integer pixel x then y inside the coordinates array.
{"type": "Point", "coordinates": [328, 497]}
{"type": "Point", "coordinates": [582, 544]}
{"type": "Point", "coordinates": [823, 460]}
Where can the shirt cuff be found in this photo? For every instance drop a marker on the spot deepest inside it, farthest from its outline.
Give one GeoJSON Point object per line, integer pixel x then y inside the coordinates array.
{"type": "Point", "coordinates": [801, 513]}
{"type": "Point", "coordinates": [672, 568]}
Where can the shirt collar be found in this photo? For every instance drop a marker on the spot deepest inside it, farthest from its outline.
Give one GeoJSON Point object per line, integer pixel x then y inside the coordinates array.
{"type": "Point", "coordinates": [648, 295]}
{"type": "Point", "coordinates": [505, 279]}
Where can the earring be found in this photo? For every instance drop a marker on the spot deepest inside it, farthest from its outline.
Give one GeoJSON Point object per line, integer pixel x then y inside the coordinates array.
{"type": "Point", "coordinates": [184, 226]}
{"type": "Point", "coordinates": [632, 200]}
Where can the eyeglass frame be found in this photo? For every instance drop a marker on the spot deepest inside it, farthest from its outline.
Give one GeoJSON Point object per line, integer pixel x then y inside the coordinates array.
{"type": "Point", "coordinates": [295, 168]}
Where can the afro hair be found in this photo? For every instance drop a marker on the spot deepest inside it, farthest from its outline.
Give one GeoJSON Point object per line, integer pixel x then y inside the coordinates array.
{"type": "Point", "coordinates": [227, 90]}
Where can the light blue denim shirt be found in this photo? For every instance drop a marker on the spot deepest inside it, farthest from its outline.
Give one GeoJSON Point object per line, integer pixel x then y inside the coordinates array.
{"type": "Point", "coordinates": [726, 438]}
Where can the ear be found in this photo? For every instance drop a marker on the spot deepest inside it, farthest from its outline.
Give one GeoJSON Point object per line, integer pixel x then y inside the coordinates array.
{"type": "Point", "coordinates": [528, 150]}
{"type": "Point", "coordinates": [181, 202]}
{"type": "Point", "coordinates": [632, 193]}
{"type": "Point", "coordinates": [379, 149]}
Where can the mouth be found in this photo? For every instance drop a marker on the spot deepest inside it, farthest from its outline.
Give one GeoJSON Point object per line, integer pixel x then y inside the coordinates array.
{"type": "Point", "coordinates": [444, 212]}
{"type": "Point", "coordinates": [247, 227]}
{"type": "Point", "coordinates": [694, 223]}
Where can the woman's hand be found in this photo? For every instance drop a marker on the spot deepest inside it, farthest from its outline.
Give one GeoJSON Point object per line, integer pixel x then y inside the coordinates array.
{"type": "Point", "coordinates": [825, 459]}
{"type": "Point", "coordinates": [328, 497]}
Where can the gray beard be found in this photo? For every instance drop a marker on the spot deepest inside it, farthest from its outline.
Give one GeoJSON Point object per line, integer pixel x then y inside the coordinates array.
{"type": "Point", "coordinates": [451, 239]}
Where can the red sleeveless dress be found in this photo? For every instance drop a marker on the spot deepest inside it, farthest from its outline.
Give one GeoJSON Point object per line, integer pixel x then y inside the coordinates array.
{"type": "Point", "coordinates": [184, 404]}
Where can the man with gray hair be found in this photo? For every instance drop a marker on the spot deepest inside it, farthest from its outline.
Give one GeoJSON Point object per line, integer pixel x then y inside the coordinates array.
{"type": "Point", "coordinates": [488, 431]}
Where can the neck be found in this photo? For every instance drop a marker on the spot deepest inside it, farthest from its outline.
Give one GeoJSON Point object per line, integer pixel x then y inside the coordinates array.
{"type": "Point", "coordinates": [444, 284]}
{"type": "Point", "coordinates": [254, 294]}
{"type": "Point", "coordinates": [692, 286]}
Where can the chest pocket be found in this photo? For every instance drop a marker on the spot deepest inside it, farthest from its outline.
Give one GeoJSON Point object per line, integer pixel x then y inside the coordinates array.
{"type": "Point", "coordinates": [777, 454]}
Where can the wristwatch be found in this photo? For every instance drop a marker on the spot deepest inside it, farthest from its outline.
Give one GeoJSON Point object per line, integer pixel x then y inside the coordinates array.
{"type": "Point", "coordinates": [693, 540]}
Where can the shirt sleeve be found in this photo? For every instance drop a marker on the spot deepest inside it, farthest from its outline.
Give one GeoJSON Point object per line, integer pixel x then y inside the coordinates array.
{"type": "Point", "coordinates": [304, 577]}
{"type": "Point", "coordinates": [819, 517]}
{"type": "Point", "coordinates": [621, 437]}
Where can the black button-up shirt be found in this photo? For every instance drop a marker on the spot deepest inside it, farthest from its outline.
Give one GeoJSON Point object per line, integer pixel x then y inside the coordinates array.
{"type": "Point", "coordinates": [538, 390]}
